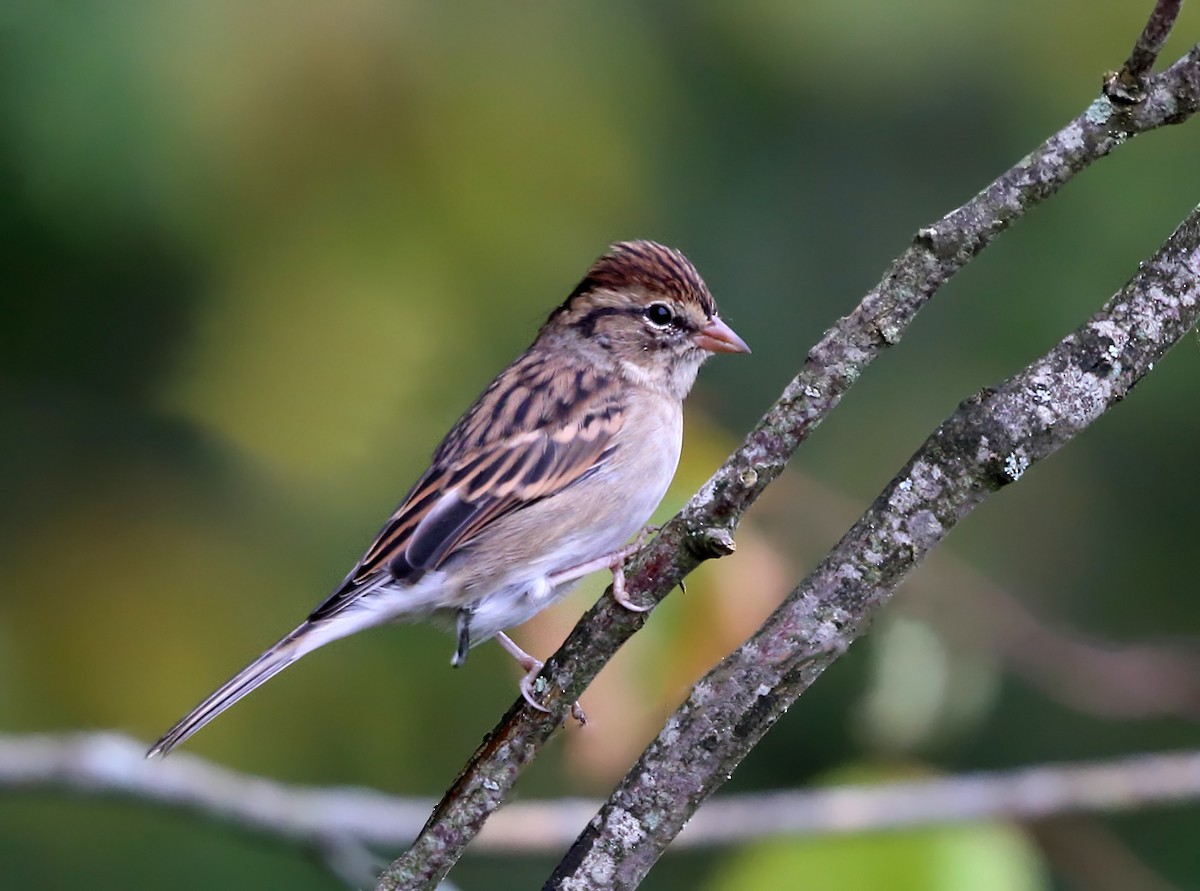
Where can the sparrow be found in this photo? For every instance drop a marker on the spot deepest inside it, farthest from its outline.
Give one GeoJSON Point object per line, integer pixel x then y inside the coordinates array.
{"type": "Point", "coordinates": [560, 461]}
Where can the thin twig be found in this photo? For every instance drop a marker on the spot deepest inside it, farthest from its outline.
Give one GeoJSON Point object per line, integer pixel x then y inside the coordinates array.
{"type": "Point", "coordinates": [340, 820]}
{"type": "Point", "coordinates": [1129, 84]}
{"type": "Point", "coordinates": [111, 764]}
{"type": "Point", "coordinates": [839, 358]}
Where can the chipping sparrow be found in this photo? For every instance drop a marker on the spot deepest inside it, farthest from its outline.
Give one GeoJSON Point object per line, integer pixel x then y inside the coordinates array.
{"type": "Point", "coordinates": [562, 459]}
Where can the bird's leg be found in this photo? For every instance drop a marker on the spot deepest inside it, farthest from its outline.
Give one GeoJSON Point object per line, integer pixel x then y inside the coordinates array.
{"type": "Point", "coordinates": [462, 625]}
{"type": "Point", "coordinates": [614, 562]}
{"type": "Point", "coordinates": [532, 667]}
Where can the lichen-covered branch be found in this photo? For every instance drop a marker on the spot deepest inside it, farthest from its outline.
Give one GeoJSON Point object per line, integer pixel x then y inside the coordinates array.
{"type": "Point", "coordinates": [988, 443]}
{"type": "Point", "coordinates": [839, 358]}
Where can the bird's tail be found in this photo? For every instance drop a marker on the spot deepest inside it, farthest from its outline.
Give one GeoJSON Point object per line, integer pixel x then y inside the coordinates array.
{"type": "Point", "coordinates": [308, 637]}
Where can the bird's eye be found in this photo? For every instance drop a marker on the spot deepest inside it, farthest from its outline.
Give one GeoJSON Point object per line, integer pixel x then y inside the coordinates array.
{"type": "Point", "coordinates": [659, 314]}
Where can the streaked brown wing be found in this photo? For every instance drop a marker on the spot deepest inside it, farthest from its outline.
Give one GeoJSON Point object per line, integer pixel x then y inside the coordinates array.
{"type": "Point", "coordinates": [565, 424]}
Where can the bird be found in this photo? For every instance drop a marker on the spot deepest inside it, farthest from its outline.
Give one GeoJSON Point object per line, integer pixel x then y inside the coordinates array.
{"type": "Point", "coordinates": [560, 461]}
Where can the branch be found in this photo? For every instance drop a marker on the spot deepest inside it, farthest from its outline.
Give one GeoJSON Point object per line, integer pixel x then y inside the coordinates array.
{"type": "Point", "coordinates": [112, 765]}
{"type": "Point", "coordinates": [843, 353]}
{"type": "Point", "coordinates": [834, 363]}
{"type": "Point", "coordinates": [1129, 84]}
{"type": "Point", "coordinates": [990, 442]}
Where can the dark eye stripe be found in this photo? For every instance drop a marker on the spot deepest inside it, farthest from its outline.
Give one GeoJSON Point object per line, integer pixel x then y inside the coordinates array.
{"type": "Point", "coordinates": [587, 322]}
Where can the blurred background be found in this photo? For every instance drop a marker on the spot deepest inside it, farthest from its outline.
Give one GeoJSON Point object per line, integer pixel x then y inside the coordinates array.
{"type": "Point", "coordinates": [258, 257]}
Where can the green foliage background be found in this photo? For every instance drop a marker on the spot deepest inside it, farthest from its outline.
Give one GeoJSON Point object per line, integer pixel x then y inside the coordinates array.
{"type": "Point", "coordinates": [257, 258]}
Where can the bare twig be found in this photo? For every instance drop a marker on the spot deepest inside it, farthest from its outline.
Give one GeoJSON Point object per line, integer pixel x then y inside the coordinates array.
{"type": "Point", "coordinates": [342, 822]}
{"type": "Point", "coordinates": [1129, 84]}
{"type": "Point", "coordinates": [937, 252]}
{"type": "Point", "coordinates": [112, 764]}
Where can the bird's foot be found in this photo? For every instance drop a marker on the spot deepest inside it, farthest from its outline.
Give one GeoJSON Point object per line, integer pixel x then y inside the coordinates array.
{"type": "Point", "coordinates": [533, 668]}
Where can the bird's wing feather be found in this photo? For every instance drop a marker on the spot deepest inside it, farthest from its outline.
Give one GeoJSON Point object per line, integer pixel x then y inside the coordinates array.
{"type": "Point", "coordinates": [532, 434]}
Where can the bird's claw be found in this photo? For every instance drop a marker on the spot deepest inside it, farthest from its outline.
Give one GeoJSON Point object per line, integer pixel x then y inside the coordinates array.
{"type": "Point", "coordinates": [533, 668]}
{"type": "Point", "coordinates": [527, 694]}
{"type": "Point", "coordinates": [618, 590]}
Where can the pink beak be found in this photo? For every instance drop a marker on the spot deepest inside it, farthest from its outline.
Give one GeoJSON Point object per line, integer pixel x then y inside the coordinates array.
{"type": "Point", "coordinates": [717, 337]}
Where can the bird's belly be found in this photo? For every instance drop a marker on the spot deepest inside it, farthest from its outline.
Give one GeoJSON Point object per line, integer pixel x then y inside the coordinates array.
{"type": "Point", "coordinates": [527, 590]}
{"type": "Point", "coordinates": [595, 516]}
